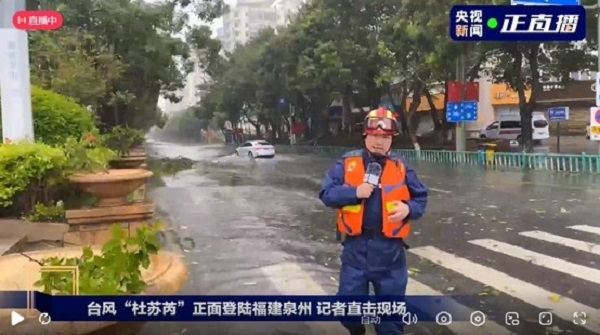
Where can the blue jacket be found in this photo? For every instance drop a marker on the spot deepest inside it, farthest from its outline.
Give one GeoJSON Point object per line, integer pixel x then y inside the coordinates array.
{"type": "Point", "coordinates": [372, 252]}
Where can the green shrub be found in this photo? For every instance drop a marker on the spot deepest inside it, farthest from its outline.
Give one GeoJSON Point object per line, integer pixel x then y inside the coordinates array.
{"type": "Point", "coordinates": [123, 139]}
{"type": "Point", "coordinates": [28, 167]}
{"type": "Point", "coordinates": [47, 213]}
{"type": "Point", "coordinates": [116, 270]}
{"type": "Point", "coordinates": [57, 117]}
{"type": "Point", "coordinates": [86, 155]}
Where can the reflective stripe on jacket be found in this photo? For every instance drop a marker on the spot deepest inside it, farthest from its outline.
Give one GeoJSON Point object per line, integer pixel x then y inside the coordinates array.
{"type": "Point", "coordinates": [392, 187]}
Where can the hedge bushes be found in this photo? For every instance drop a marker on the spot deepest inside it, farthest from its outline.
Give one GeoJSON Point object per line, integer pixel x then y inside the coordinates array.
{"type": "Point", "coordinates": [32, 172]}
{"type": "Point", "coordinates": [57, 117]}
{"type": "Point", "coordinates": [28, 167]}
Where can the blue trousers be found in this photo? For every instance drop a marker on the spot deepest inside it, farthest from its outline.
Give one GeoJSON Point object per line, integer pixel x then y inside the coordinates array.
{"type": "Point", "coordinates": [354, 281]}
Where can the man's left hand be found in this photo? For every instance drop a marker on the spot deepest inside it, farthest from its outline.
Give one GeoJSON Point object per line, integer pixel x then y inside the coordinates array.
{"type": "Point", "coordinates": [400, 212]}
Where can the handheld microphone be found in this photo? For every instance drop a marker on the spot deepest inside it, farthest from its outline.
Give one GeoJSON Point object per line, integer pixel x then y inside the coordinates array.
{"type": "Point", "coordinates": [373, 174]}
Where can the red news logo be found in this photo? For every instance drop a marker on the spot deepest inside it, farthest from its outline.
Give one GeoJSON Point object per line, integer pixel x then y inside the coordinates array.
{"type": "Point", "coordinates": [37, 20]}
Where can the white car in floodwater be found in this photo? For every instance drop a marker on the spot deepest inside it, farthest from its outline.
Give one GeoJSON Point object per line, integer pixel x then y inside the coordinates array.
{"type": "Point", "coordinates": [256, 149]}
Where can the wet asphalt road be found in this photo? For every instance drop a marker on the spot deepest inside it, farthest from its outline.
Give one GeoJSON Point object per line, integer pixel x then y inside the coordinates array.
{"type": "Point", "coordinates": [522, 242]}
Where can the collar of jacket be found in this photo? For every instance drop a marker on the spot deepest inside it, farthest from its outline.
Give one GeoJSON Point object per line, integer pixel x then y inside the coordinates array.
{"type": "Point", "coordinates": [368, 158]}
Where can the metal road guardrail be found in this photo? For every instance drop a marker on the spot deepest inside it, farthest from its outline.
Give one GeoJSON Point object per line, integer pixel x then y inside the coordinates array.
{"type": "Point", "coordinates": [571, 163]}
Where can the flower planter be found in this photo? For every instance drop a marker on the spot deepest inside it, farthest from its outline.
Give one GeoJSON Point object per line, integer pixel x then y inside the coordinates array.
{"type": "Point", "coordinates": [112, 187]}
{"type": "Point", "coordinates": [134, 160]}
{"type": "Point", "coordinates": [166, 275]}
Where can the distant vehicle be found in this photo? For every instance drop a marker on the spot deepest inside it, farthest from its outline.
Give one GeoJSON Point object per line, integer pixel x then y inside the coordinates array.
{"type": "Point", "coordinates": [256, 149]}
{"type": "Point", "coordinates": [508, 127]}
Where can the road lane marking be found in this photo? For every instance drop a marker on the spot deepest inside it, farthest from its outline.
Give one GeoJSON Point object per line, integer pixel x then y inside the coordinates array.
{"type": "Point", "coordinates": [564, 241]}
{"type": "Point", "coordinates": [552, 263]}
{"type": "Point", "coordinates": [439, 190]}
{"type": "Point", "coordinates": [516, 288]}
{"type": "Point", "coordinates": [292, 279]}
{"type": "Point", "coordinates": [586, 229]}
{"type": "Point", "coordinates": [457, 327]}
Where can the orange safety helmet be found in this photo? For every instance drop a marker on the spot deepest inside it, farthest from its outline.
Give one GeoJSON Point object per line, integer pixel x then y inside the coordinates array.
{"type": "Point", "coordinates": [380, 121]}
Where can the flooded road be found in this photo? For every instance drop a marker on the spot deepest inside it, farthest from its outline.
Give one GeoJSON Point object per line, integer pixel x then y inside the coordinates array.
{"type": "Point", "coordinates": [523, 243]}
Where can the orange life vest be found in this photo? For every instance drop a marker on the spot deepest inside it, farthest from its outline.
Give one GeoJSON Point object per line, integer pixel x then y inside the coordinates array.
{"type": "Point", "coordinates": [392, 187]}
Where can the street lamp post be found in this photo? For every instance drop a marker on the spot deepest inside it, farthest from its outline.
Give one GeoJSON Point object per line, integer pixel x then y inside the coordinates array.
{"type": "Point", "coordinates": [15, 90]}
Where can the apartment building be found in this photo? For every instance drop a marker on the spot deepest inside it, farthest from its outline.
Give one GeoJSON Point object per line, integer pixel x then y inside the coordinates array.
{"type": "Point", "coordinates": [244, 20]}
{"type": "Point", "coordinates": [285, 10]}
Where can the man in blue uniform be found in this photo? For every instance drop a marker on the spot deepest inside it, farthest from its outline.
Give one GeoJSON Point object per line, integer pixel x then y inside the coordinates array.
{"type": "Point", "coordinates": [373, 217]}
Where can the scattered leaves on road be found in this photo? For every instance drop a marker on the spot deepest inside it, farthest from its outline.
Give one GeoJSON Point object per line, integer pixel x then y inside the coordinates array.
{"type": "Point", "coordinates": [413, 271]}
{"type": "Point", "coordinates": [553, 330]}
{"type": "Point", "coordinates": [555, 297]}
{"type": "Point", "coordinates": [488, 291]}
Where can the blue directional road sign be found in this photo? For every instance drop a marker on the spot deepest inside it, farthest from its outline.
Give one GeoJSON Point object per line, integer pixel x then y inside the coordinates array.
{"type": "Point", "coordinates": [546, 2]}
{"type": "Point", "coordinates": [463, 111]}
{"type": "Point", "coordinates": [558, 113]}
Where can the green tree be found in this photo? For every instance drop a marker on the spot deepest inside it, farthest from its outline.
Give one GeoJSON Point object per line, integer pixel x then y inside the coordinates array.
{"type": "Point", "coordinates": [357, 50]}
{"type": "Point", "coordinates": [139, 41]}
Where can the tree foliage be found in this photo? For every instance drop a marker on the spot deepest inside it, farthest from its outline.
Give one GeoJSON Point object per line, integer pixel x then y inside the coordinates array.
{"type": "Point", "coordinates": [56, 117]}
{"type": "Point", "coordinates": [356, 51]}
{"type": "Point", "coordinates": [119, 57]}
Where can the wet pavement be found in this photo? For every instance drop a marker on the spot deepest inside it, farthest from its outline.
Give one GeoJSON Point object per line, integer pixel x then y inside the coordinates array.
{"type": "Point", "coordinates": [523, 243]}
{"type": "Point", "coordinates": [569, 145]}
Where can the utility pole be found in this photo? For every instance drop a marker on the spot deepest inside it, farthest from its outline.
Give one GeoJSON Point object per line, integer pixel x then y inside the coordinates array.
{"type": "Point", "coordinates": [461, 136]}
{"type": "Point", "coordinates": [597, 9]}
{"type": "Point", "coordinates": [15, 89]}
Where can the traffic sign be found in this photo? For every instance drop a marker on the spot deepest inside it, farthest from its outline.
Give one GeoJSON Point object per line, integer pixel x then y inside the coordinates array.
{"type": "Point", "coordinates": [281, 102]}
{"type": "Point", "coordinates": [545, 2]}
{"type": "Point", "coordinates": [461, 111]}
{"type": "Point", "coordinates": [595, 123]}
{"type": "Point", "coordinates": [558, 113]}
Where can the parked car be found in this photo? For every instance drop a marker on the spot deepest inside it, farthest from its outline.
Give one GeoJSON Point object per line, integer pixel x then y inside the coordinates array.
{"type": "Point", "coordinates": [256, 149]}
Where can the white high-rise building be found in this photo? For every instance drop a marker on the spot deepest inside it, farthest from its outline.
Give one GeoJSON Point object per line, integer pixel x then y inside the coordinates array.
{"type": "Point", "coordinates": [285, 10]}
{"type": "Point", "coordinates": [244, 20]}
{"type": "Point", "coordinates": [190, 94]}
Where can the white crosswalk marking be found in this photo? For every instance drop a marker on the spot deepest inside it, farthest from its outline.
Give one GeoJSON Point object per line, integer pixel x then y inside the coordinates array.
{"type": "Point", "coordinates": [587, 229]}
{"type": "Point", "coordinates": [291, 278]}
{"type": "Point", "coordinates": [565, 241]}
{"type": "Point", "coordinates": [521, 290]}
{"type": "Point", "coordinates": [490, 327]}
{"type": "Point", "coordinates": [553, 263]}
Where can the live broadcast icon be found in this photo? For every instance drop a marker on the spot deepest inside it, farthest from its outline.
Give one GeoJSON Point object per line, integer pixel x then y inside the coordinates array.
{"type": "Point", "coordinates": [37, 20]}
